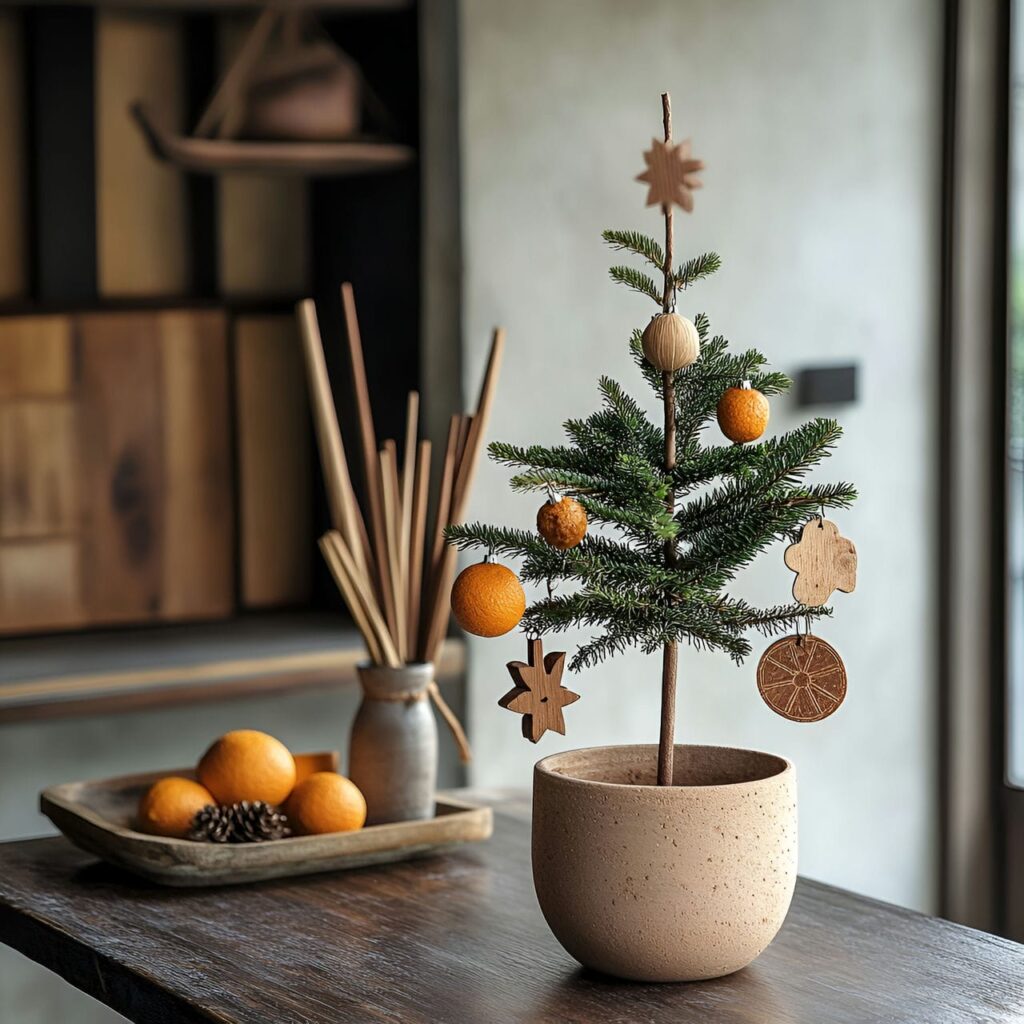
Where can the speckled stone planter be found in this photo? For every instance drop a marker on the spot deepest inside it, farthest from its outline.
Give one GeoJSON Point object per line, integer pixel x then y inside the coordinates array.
{"type": "Point", "coordinates": [664, 883]}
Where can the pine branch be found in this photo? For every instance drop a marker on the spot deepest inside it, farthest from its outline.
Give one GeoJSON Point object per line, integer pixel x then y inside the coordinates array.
{"type": "Point", "coordinates": [637, 280]}
{"type": "Point", "coordinates": [640, 245]}
{"type": "Point", "coordinates": [694, 270]}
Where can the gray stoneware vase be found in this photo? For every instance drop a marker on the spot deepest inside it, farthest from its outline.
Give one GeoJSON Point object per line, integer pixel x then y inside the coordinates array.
{"type": "Point", "coordinates": [393, 748]}
{"type": "Point", "coordinates": [664, 883]}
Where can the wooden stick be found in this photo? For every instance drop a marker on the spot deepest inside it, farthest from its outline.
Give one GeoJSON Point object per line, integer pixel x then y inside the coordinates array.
{"type": "Point", "coordinates": [444, 493]}
{"type": "Point", "coordinates": [435, 555]}
{"type": "Point", "coordinates": [347, 586]}
{"type": "Point", "coordinates": [408, 482]}
{"type": "Point", "coordinates": [392, 525]}
{"type": "Point", "coordinates": [460, 450]}
{"type": "Point", "coordinates": [368, 440]}
{"type": "Point", "coordinates": [418, 529]}
{"type": "Point", "coordinates": [365, 595]}
{"type": "Point", "coordinates": [341, 499]}
{"type": "Point", "coordinates": [478, 428]}
{"type": "Point", "coordinates": [439, 604]}
{"type": "Point", "coordinates": [228, 93]}
{"type": "Point", "coordinates": [670, 653]}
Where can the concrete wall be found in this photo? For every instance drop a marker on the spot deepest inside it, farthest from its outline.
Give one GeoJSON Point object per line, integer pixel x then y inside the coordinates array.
{"type": "Point", "coordinates": [820, 126]}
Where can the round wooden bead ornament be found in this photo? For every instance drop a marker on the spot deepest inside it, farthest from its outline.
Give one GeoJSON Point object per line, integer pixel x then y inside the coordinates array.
{"type": "Point", "coordinates": [488, 599]}
{"type": "Point", "coordinates": [562, 522]}
{"type": "Point", "coordinates": [670, 342]}
{"type": "Point", "coordinates": [743, 413]}
{"type": "Point", "coordinates": [802, 678]}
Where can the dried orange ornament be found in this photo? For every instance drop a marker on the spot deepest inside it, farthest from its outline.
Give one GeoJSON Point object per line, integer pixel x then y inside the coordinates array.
{"type": "Point", "coordinates": [743, 413]}
{"type": "Point", "coordinates": [670, 342]}
{"type": "Point", "coordinates": [488, 599]}
{"type": "Point", "coordinates": [562, 522]}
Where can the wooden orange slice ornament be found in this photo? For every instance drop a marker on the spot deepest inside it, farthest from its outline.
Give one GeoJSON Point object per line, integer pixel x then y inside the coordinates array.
{"type": "Point", "coordinates": [802, 678]}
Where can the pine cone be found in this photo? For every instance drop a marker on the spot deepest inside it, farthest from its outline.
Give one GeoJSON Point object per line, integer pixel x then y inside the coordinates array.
{"type": "Point", "coordinates": [245, 822]}
{"type": "Point", "coordinates": [212, 824]}
{"type": "Point", "coordinates": [256, 821]}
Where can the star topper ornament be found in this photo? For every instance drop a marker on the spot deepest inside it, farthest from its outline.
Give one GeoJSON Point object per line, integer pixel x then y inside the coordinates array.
{"type": "Point", "coordinates": [671, 175]}
{"type": "Point", "coordinates": [538, 694]}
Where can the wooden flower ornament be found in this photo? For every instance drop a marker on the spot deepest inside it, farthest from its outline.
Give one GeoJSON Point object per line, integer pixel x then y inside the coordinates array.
{"type": "Point", "coordinates": [671, 175]}
{"type": "Point", "coordinates": [538, 694]}
{"type": "Point", "coordinates": [823, 561]}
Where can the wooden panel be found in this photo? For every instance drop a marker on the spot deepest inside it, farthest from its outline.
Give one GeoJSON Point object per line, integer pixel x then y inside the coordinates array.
{"type": "Point", "coordinates": [13, 231]}
{"type": "Point", "coordinates": [262, 224]}
{"type": "Point", "coordinates": [40, 585]}
{"type": "Point", "coordinates": [263, 237]}
{"type": "Point", "coordinates": [198, 532]}
{"type": "Point", "coordinates": [38, 468]}
{"type": "Point", "coordinates": [274, 462]}
{"type": "Point", "coordinates": [141, 203]}
{"type": "Point", "coordinates": [122, 466]}
{"type": "Point", "coordinates": [36, 357]}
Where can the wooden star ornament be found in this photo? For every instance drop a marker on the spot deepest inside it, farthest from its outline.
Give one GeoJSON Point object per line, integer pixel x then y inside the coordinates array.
{"type": "Point", "coordinates": [671, 175]}
{"type": "Point", "coordinates": [538, 694]}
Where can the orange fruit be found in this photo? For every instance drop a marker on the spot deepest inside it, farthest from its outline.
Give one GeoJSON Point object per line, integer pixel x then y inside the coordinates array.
{"type": "Point", "coordinates": [562, 523]}
{"type": "Point", "coordinates": [743, 413]}
{"type": "Point", "coordinates": [488, 599]}
{"type": "Point", "coordinates": [306, 764]}
{"type": "Point", "coordinates": [169, 805]}
{"type": "Point", "coordinates": [247, 765]}
{"type": "Point", "coordinates": [325, 802]}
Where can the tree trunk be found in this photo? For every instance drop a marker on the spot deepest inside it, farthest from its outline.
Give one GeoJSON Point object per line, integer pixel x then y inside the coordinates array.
{"type": "Point", "coordinates": [670, 655]}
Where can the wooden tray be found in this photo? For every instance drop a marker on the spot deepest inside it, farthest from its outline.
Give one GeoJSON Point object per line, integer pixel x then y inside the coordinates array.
{"type": "Point", "coordinates": [218, 156]}
{"type": "Point", "coordinates": [98, 816]}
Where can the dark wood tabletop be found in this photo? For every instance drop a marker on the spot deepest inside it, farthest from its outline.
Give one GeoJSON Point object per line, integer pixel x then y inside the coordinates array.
{"type": "Point", "coordinates": [459, 937]}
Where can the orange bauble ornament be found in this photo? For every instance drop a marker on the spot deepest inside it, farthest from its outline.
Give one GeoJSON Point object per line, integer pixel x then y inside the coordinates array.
{"type": "Point", "coordinates": [562, 522]}
{"type": "Point", "coordinates": [488, 599]}
{"type": "Point", "coordinates": [743, 413]}
{"type": "Point", "coordinates": [670, 342]}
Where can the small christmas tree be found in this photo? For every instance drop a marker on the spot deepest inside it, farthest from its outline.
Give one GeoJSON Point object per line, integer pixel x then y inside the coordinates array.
{"type": "Point", "coordinates": [684, 515]}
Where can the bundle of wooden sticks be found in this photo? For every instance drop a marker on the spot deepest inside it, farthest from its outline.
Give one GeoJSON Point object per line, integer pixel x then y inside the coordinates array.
{"type": "Point", "coordinates": [394, 572]}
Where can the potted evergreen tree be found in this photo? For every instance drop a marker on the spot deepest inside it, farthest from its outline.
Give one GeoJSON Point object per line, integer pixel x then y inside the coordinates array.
{"type": "Point", "coordinates": [668, 862]}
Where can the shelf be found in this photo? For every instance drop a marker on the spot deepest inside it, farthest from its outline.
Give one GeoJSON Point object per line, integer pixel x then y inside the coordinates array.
{"type": "Point", "coordinates": [354, 6]}
{"type": "Point", "coordinates": [222, 156]}
{"type": "Point", "coordinates": [122, 670]}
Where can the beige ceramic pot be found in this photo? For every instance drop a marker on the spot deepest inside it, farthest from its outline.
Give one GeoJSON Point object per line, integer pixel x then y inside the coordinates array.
{"type": "Point", "coordinates": [664, 883]}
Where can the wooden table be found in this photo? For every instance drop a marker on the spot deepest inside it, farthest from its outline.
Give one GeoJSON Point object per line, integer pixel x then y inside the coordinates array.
{"type": "Point", "coordinates": [459, 937]}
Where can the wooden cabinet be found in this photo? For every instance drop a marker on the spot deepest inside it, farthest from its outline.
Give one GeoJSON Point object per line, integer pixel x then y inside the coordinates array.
{"type": "Point", "coordinates": [116, 483]}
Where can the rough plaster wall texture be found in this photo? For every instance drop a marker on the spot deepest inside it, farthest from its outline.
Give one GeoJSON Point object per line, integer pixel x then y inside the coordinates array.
{"type": "Point", "coordinates": [820, 126]}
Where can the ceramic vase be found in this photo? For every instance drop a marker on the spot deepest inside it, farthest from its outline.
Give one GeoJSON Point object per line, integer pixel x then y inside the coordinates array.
{"type": "Point", "coordinates": [664, 883]}
{"type": "Point", "coordinates": [393, 746]}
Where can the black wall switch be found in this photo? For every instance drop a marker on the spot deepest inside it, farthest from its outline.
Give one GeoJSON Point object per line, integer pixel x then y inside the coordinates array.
{"type": "Point", "coordinates": [826, 385]}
